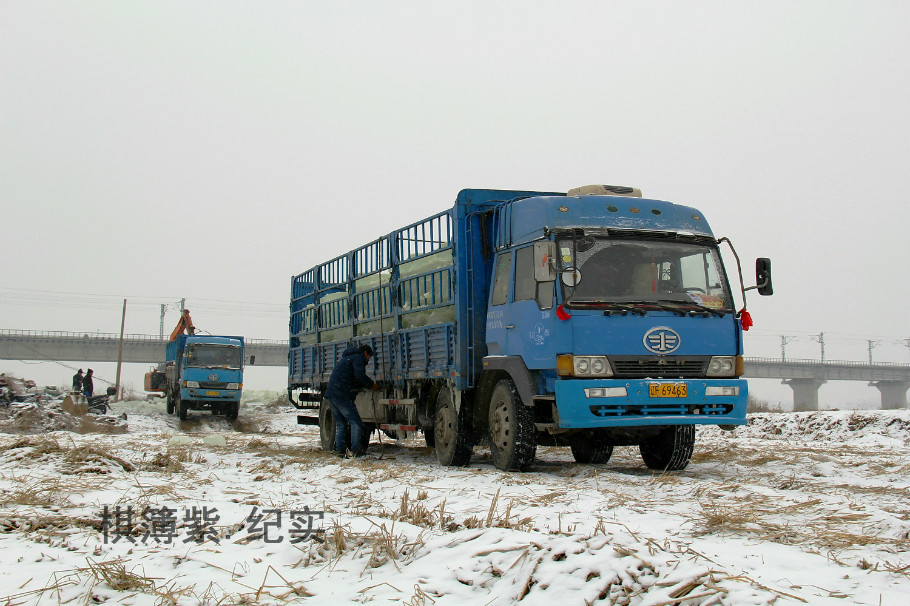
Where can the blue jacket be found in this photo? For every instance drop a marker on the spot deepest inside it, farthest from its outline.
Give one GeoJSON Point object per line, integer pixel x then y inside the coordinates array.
{"type": "Point", "coordinates": [348, 373]}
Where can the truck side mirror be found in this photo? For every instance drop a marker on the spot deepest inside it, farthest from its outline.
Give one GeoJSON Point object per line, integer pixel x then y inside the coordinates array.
{"type": "Point", "coordinates": [763, 276]}
{"type": "Point", "coordinates": [545, 261]}
{"type": "Point", "coordinates": [252, 360]}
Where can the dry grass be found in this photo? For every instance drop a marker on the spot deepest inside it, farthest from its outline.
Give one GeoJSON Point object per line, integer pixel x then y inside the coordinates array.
{"type": "Point", "coordinates": [37, 447]}
{"type": "Point", "coordinates": [92, 459]}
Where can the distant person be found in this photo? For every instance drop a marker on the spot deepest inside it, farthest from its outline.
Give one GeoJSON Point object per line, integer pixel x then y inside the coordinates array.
{"type": "Point", "coordinates": [77, 381]}
{"type": "Point", "coordinates": [88, 385]}
{"type": "Point", "coordinates": [347, 375]}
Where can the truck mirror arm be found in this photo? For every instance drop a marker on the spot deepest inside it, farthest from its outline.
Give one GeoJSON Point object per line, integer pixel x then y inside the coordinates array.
{"type": "Point", "coordinates": [739, 267]}
{"type": "Point", "coordinates": [762, 272]}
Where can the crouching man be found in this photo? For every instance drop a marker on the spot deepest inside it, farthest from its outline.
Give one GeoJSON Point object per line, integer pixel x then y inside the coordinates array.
{"type": "Point", "coordinates": [349, 374]}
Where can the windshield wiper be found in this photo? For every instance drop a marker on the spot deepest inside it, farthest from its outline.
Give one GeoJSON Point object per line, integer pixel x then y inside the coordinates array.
{"type": "Point", "coordinates": [611, 305]}
{"type": "Point", "coordinates": [702, 308]}
{"type": "Point", "coordinates": [658, 304]}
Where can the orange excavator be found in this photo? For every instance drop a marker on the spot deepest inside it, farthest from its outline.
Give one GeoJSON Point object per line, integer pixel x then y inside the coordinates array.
{"type": "Point", "coordinates": [155, 380]}
{"type": "Point", "coordinates": [184, 324]}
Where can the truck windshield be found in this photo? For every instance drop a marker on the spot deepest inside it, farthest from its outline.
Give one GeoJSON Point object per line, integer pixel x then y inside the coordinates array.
{"type": "Point", "coordinates": [213, 356]}
{"type": "Point", "coordinates": [601, 270]}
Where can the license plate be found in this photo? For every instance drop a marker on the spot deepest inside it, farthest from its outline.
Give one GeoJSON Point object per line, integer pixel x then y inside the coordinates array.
{"type": "Point", "coordinates": [213, 393]}
{"type": "Point", "coordinates": [667, 390]}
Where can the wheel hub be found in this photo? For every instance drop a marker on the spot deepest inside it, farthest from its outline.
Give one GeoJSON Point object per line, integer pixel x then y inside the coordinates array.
{"type": "Point", "coordinates": [445, 425]}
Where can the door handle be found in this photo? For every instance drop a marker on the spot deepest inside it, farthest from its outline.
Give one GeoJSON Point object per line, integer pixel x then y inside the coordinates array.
{"type": "Point", "coordinates": [510, 326]}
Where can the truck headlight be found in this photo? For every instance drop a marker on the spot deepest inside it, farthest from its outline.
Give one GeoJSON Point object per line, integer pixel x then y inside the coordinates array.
{"type": "Point", "coordinates": [725, 366]}
{"type": "Point", "coordinates": [191, 384]}
{"type": "Point", "coordinates": [717, 390]}
{"type": "Point", "coordinates": [568, 365]}
{"type": "Point", "coordinates": [234, 385]}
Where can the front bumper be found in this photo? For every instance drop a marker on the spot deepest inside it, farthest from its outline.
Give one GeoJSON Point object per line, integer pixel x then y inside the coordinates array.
{"type": "Point", "coordinates": [210, 395]}
{"type": "Point", "coordinates": [591, 403]}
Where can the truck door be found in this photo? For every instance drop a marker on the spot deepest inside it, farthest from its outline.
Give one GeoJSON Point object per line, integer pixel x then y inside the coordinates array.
{"type": "Point", "coordinates": [498, 325]}
{"type": "Point", "coordinates": [531, 313]}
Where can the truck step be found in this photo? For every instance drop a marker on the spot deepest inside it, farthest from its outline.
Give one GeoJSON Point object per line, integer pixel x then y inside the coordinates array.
{"type": "Point", "coordinates": [392, 427]}
{"type": "Point", "coordinates": [307, 420]}
{"type": "Point", "coordinates": [403, 402]}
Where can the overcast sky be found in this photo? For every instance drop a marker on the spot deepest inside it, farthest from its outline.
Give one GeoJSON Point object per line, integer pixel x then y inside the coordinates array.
{"type": "Point", "coordinates": [210, 150]}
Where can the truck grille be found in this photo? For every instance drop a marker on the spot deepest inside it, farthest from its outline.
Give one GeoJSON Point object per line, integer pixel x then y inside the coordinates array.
{"type": "Point", "coordinates": [212, 385]}
{"type": "Point", "coordinates": [665, 367]}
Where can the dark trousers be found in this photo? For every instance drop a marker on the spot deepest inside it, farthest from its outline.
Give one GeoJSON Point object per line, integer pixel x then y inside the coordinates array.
{"type": "Point", "coordinates": [346, 419]}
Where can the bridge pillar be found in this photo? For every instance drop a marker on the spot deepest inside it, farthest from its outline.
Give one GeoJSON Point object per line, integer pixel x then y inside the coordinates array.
{"type": "Point", "coordinates": [894, 393]}
{"type": "Point", "coordinates": [805, 393]}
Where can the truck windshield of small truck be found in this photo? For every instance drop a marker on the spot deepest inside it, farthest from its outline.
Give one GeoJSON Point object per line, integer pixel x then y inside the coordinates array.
{"type": "Point", "coordinates": [671, 274]}
{"type": "Point", "coordinates": [213, 356]}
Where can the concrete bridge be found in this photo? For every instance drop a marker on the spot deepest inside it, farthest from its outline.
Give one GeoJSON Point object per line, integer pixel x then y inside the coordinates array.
{"type": "Point", "coordinates": [803, 376]}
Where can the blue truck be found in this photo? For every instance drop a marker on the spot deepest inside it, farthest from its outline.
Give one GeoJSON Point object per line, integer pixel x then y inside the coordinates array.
{"type": "Point", "coordinates": [203, 372]}
{"type": "Point", "coordinates": [588, 319]}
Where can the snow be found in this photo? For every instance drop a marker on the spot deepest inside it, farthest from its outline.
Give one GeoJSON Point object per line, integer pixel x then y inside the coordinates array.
{"type": "Point", "coordinates": [794, 508]}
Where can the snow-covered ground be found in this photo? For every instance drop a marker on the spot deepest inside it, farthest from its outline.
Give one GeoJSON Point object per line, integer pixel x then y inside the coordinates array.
{"type": "Point", "coordinates": [796, 508]}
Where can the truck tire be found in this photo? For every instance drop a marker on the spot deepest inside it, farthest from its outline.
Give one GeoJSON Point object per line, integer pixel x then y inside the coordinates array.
{"type": "Point", "coordinates": [170, 404]}
{"type": "Point", "coordinates": [233, 410]}
{"type": "Point", "coordinates": [670, 450]}
{"type": "Point", "coordinates": [513, 435]}
{"type": "Point", "coordinates": [182, 408]}
{"type": "Point", "coordinates": [326, 428]}
{"type": "Point", "coordinates": [591, 447]}
{"type": "Point", "coordinates": [450, 432]}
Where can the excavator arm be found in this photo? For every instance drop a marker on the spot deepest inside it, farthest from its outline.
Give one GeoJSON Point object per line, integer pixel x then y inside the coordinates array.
{"type": "Point", "coordinates": [184, 324]}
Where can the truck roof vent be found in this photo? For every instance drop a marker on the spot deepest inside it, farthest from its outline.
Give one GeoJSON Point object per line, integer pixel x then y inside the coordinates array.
{"type": "Point", "coordinates": [604, 190]}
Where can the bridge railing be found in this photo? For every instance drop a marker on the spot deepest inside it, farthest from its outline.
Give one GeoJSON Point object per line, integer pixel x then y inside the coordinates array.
{"type": "Point", "coordinates": [107, 336]}
{"type": "Point", "coordinates": [810, 362]}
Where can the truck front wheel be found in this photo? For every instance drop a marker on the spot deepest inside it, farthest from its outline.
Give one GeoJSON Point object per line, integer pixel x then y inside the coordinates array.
{"type": "Point", "coordinates": [450, 433]}
{"type": "Point", "coordinates": [591, 447]}
{"type": "Point", "coordinates": [170, 404]}
{"type": "Point", "coordinates": [670, 450]}
{"type": "Point", "coordinates": [233, 410]}
{"type": "Point", "coordinates": [182, 408]}
{"type": "Point", "coordinates": [513, 435]}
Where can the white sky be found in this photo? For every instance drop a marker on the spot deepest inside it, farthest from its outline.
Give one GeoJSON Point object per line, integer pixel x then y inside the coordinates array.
{"type": "Point", "coordinates": [211, 150]}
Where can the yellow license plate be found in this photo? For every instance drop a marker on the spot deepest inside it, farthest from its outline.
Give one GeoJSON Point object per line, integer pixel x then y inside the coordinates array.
{"type": "Point", "coordinates": [213, 393]}
{"type": "Point", "coordinates": [667, 390]}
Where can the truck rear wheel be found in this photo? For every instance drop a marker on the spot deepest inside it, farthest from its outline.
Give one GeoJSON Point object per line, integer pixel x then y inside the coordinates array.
{"type": "Point", "coordinates": [450, 432]}
{"type": "Point", "coordinates": [513, 435]}
{"type": "Point", "coordinates": [670, 450]}
{"type": "Point", "coordinates": [326, 427]}
{"type": "Point", "coordinates": [591, 447]}
{"type": "Point", "coordinates": [170, 404]}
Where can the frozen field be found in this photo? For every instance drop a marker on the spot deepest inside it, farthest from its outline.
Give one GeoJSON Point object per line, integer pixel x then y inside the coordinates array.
{"type": "Point", "coordinates": [807, 508]}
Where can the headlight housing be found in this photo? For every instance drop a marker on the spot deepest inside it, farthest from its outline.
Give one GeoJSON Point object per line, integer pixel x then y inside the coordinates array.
{"type": "Point", "coordinates": [568, 365]}
{"type": "Point", "coordinates": [234, 385]}
{"type": "Point", "coordinates": [725, 367]}
{"type": "Point", "coordinates": [191, 384]}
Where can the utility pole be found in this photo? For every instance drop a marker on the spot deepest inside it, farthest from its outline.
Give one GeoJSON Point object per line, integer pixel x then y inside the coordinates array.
{"type": "Point", "coordinates": [120, 353]}
{"type": "Point", "coordinates": [161, 328]}
{"type": "Point", "coordinates": [872, 345]}
{"type": "Point", "coordinates": [783, 345]}
{"type": "Point", "coordinates": [821, 340]}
